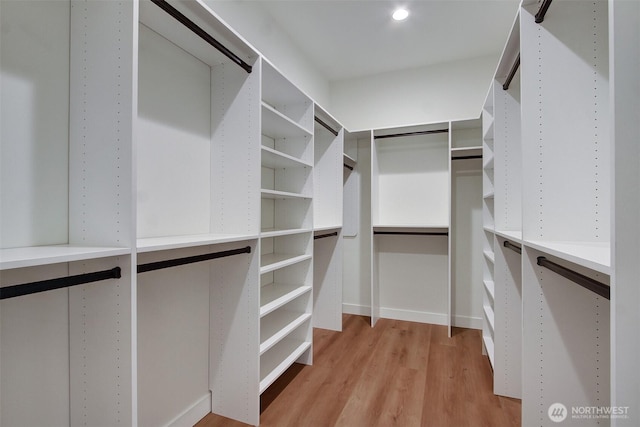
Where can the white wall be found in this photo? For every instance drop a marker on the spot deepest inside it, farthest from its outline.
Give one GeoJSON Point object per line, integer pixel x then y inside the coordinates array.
{"type": "Point", "coordinates": [442, 92]}
{"type": "Point", "coordinates": [258, 28]}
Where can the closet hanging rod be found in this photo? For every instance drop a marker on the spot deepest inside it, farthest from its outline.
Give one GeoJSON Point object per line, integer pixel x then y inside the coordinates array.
{"type": "Point", "coordinates": [512, 73]}
{"type": "Point", "coordinates": [348, 167]}
{"type": "Point", "coordinates": [326, 126]}
{"type": "Point", "coordinates": [178, 16]}
{"type": "Point", "coordinates": [413, 233]}
{"type": "Point", "coordinates": [542, 11]}
{"type": "Point", "coordinates": [143, 268]}
{"type": "Point", "coordinates": [422, 132]}
{"type": "Point", "coordinates": [322, 236]}
{"type": "Point", "coordinates": [582, 280]}
{"type": "Point", "coordinates": [58, 283]}
{"type": "Point", "coordinates": [467, 157]}
{"type": "Point", "coordinates": [515, 248]}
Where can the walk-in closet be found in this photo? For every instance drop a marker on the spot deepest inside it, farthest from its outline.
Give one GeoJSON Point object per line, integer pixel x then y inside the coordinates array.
{"type": "Point", "coordinates": [268, 213]}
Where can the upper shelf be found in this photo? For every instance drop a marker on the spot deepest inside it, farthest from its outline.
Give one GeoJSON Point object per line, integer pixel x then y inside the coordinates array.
{"type": "Point", "coordinates": [277, 160]}
{"type": "Point", "coordinates": [277, 125]}
{"type": "Point", "coordinates": [46, 255]}
{"type": "Point", "coordinates": [152, 244]}
{"type": "Point", "coordinates": [593, 255]}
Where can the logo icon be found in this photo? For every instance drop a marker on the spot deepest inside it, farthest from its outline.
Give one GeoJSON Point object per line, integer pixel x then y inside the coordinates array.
{"type": "Point", "coordinates": [557, 412]}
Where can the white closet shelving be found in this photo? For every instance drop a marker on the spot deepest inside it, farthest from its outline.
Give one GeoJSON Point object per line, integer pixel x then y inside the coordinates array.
{"type": "Point", "coordinates": [286, 240]}
{"type": "Point", "coordinates": [328, 145]}
{"type": "Point", "coordinates": [566, 183]}
{"type": "Point", "coordinates": [465, 240]}
{"type": "Point", "coordinates": [410, 215]}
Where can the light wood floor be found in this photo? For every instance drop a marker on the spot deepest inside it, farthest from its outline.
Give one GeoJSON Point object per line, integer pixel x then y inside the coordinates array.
{"type": "Point", "coordinates": [396, 374]}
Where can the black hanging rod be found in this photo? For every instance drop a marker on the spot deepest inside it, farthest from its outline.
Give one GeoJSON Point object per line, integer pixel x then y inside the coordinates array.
{"type": "Point", "coordinates": [542, 11]}
{"type": "Point", "coordinates": [512, 73]}
{"type": "Point", "coordinates": [467, 157]}
{"type": "Point", "coordinates": [413, 233]}
{"type": "Point", "coordinates": [422, 132]}
{"type": "Point", "coordinates": [61, 282]}
{"type": "Point", "coordinates": [322, 236]}
{"type": "Point", "coordinates": [201, 33]}
{"type": "Point", "coordinates": [515, 248]}
{"type": "Point", "coordinates": [348, 167]}
{"type": "Point", "coordinates": [143, 268]}
{"type": "Point", "coordinates": [326, 126]}
{"type": "Point", "coordinates": [582, 280]}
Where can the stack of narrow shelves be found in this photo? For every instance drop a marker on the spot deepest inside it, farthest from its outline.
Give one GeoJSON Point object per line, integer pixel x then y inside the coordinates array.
{"type": "Point", "coordinates": [286, 238]}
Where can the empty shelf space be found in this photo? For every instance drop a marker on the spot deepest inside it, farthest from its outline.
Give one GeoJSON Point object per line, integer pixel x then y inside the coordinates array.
{"type": "Point", "coordinates": [488, 344]}
{"type": "Point", "coordinates": [276, 125]}
{"type": "Point", "coordinates": [270, 262]}
{"type": "Point", "coordinates": [274, 194]}
{"type": "Point", "coordinates": [45, 255]}
{"type": "Point", "coordinates": [276, 295]}
{"type": "Point", "coordinates": [152, 244]}
{"type": "Point", "coordinates": [278, 359]}
{"type": "Point", "coordinates": [349, 161]}
{"type": "Point", "coordinates": [277, 326]}
{"type": "Point", "coordinates": [488, 313]}
{"type": "Point", "coordinates": [514, 236]}
{"type": "Point", "coordinates": [466, 151]}
{"type": "Point", "coordinates": [489, 285]}
{"type": "Point", "coordinates": [593, 255]}
{"type": "Point", "coordinates": [272, 232]}
{"type": "Point", "coordinates": [490, 256]}
{"type": "Point", "coordinates": [435, 228]}
{"type": "Point", "coordinates": [277, 160]}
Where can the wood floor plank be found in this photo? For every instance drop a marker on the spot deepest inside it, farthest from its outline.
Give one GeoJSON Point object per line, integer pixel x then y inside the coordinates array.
{"type": "Point", "coordinates": [396, 374]}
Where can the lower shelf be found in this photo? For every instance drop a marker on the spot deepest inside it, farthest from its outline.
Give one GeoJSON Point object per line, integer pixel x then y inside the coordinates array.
{"type": "Point", "coordinates": [277, 326]}
{"type": "Point", "coordinates": [276, 295]}
{"type": "Point", "coordinates": [279, 358]}
{"type": "Point", "coordinates": [488, 345]}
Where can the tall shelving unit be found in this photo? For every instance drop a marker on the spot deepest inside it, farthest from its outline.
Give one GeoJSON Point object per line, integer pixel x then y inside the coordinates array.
{"type": "Point", "coordinates": [488, 226]}
{"type": "Point", "coordinates": [328, 143]}
{"type": "Point", "coordinates": [566, 212]}
{"type": "Point", "coordinates": [410, 214]}
{"type": "Point", "coordinates": [286, 237]}
{"type": "Point", "coordinates": [465, 240]}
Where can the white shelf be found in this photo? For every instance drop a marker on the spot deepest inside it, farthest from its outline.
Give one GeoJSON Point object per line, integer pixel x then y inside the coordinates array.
{"type": "Point", "coordinates": [489, 195]}
{"type": "Point", "coordinates": [466, 151]}
{"type": "Point", "coordinates": [275, 295]}
{"type": "Point", "coordinates": [277, 126]}
{"type": "Point", "coordinates": [488, 134]}
{"type": "Point", "coordinates": [278, 359]}
{"type": "Point", "coordinates": [514, 236]}
{"type": "Point", "coordinates": [489, 285]}
{"type": "Point", "coordinates": [348, 160]}
{"type": "Point", "coordinates": [488, 344]}
{"type": "Point", "coordinates": [489, 229]}
{"type": "Point", "coordinates": [490, 256]}
{"type": "Point", "coordinates": [284, 232]}
{"type": "Point", "coordinates": [45, 255]}
{"type": "Point", "coordinates": [277, 326]}
{"type": "Point", "coordinates": [152, 244]}
{"type": "Point", "coordinates": [435, 228]}
{"type": "Point", "coordinates": [271, 262]}
{"type": "Point", "coordinates": [595, 256]}
{"type": "Point", "coordinates": [488, 313]}
{"type": "Point", "coordinates": [274, 194]}
{"type": "Point", "coordinates": [277, 160]}
{"type": "Point", "coordinates": [327, 228]}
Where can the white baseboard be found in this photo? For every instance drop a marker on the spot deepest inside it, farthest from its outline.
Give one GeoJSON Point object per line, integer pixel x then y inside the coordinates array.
{"type": "Point", "coordinates": [467, 322]}
{"type": "Point", "coordinates": [413, 316]}
{"type": "Point", "coordinates": [360, 310]}
{"type": "Point", "coordinates": [195, 413]}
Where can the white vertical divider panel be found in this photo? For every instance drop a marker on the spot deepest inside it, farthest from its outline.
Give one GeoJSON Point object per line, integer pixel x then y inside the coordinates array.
{"type": "Point", "coordinates": [34, 354]}
{"type": "Point", "coordinates": [450, 240]}
{"type": "Point", "coordinates": [102, 106]}
{"type": "Point", "coordinates": [234, 370]}
{"type": "Point", "coordinates": [375, 219]}
{"type": "Point", "coordinates": [624, 44]}
{"type": "Point", "coordinates": [327, 281]}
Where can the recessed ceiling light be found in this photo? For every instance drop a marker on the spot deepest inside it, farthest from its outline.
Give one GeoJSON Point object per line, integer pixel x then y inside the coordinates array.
{"type": "Point", "coordinates": [400, 14]}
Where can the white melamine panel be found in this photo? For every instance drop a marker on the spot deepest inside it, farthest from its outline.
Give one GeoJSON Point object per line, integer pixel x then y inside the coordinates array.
{"type": "Point", "coordinates": [565, 345]}
{"type": "Point", "coordinates": [277, 325]}
{"type": "Point", "coordinates": [624, 21]}
{"type": "Point", "coordinates": [413, 180]}
{"type": "Point", "coordinates": [280, 357]}
{"type": "Point", "coordinates": [34, 119]}
{"type": "Point", "coordinates": [43, 255]}
{"type": "Point", "coordinates": [103, 98]}
{"type": "Point", "coordinates": [174, 150]}
{"type": "Point", "coordinates": [34, 356]}
{"type": "Point", "coordinates": [413, 277]}
{"type": "Point", "coordinates": [285, 211]}
{"type": "Point", "coordinates": [466, 241]}
{"type": "Point", "coordinates": [327, 282]}
{"type": "Point", "coordinates": [328, 174]}
{"type": "Point", "coordinates": [102, 367]}
{"type": "Point", "coordinates": [507, 303]}
{"type": "Point", "coordinates": [173, 336]}
{"type": "Point", "coordinates": [283, 286]}
{"type": "Point", "coordinates": [351, 202]}
{"type": "Point", "coordinates": [565, 116]}
{"type": "Point", "coordinates": [235, 335]}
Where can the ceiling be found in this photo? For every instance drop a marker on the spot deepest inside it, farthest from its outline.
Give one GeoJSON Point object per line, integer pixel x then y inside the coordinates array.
{"type": "Point", "coordinates": [352, 38]}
